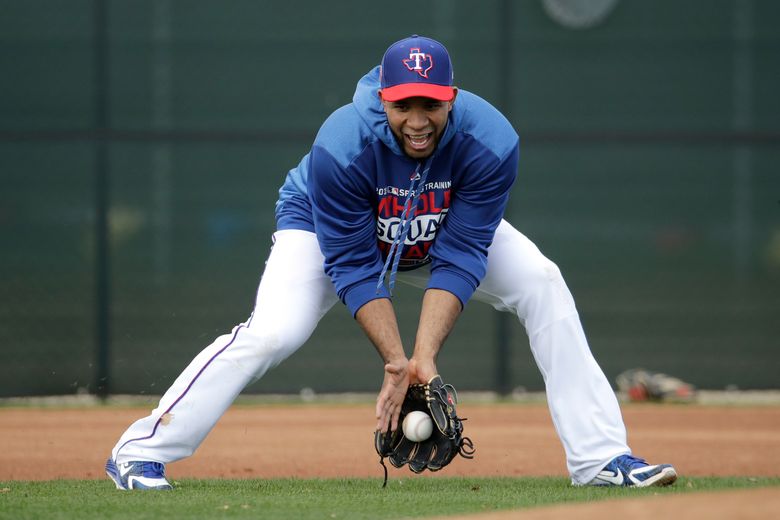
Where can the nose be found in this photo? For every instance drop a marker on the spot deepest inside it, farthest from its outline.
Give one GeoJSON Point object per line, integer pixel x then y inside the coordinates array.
{"type": "Point", "coordinates": [417, 119]}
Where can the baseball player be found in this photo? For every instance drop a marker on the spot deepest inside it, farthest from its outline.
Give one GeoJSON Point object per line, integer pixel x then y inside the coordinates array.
{"type": "Point", "coordinates": [409, 182]}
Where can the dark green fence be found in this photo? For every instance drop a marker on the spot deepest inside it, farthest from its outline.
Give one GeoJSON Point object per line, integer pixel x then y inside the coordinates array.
{"type": "Point", "coordinates": [142, 144]}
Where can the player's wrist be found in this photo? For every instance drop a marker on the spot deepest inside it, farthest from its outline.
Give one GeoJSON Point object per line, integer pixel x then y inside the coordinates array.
{"type": "Point", "coordinates": [422, 368]}
{"type": "Point", "coordinates": [399, 361]}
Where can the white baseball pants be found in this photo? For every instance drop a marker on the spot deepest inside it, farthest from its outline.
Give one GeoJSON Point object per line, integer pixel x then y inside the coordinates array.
{"type": "Point", "coordinates": [295, 293]}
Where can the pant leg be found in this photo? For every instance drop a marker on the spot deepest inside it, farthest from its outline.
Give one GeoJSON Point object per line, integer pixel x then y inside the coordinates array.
{"type": "Point", "coordinates": [294, 294]}
{"type": "Point", "coordinates": [583, 405]}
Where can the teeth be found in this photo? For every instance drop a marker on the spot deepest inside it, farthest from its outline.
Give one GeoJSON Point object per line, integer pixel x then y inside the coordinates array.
{"type": "Point", "coordinates": [419, 139]}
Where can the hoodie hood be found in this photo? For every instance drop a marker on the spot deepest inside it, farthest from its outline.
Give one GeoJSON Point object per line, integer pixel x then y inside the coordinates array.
{"type": "Point", "coordinates": [368, 105]}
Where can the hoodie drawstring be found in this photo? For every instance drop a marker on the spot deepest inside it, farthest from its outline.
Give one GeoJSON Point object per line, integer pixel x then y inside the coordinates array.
{"type": "Point", "coordinates": [403, 227]}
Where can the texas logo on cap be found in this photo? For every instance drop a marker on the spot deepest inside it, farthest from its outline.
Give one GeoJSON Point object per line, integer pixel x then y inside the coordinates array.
{"type": "Point", "coordinates": [416, 67]}
{"type": "Point", "coordinates": [419, 62]}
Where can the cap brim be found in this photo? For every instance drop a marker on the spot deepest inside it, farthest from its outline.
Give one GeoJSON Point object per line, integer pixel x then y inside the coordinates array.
{"type": "Point", "coordinates": [408, 90]}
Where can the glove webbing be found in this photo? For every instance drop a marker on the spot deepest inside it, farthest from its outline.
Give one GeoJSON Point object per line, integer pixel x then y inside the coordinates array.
{"type": "Point", "coordinates": [465, 450]}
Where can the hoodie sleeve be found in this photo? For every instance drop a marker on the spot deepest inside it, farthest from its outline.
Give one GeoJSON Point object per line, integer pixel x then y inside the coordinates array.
{"type": "Point", "coordinates": [477, 207]}
{"type": "Point", "coordinates": [345, 223]}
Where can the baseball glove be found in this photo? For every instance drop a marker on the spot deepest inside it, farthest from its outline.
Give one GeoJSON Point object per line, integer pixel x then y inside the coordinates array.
{"type": "Point", "coordinates": [438, 400]}
{"type": "Point", "coordinates": [643, 385]}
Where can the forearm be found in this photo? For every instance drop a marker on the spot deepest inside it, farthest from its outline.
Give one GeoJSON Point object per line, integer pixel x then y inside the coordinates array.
{"type": "Point", "coordinates": [378, 321]}
{"type": "Point", "coordinates": [440, 311]}
{"type": "Point", "coordinates": [377, 318]}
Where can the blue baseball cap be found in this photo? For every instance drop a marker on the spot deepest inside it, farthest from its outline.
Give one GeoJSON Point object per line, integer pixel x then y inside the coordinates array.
{"type": "Point", "coordinates": [416, 66]}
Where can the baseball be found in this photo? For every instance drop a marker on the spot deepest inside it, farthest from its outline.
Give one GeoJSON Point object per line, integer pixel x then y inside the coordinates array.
{"type": "Point", "coordinates": [417, 426]}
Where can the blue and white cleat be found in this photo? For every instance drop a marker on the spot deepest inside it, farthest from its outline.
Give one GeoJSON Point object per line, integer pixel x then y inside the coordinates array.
{"type": "Point", "coordinates": [626, 470]}
{"type": "Point", "coordinates": [138, 475]}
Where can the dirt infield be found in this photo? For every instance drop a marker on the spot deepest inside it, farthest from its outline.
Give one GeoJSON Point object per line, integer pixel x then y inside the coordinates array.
{"type": "Point", "coordinates": [271, 441]}
{"type": "Point", "coordinates": [753, 504]}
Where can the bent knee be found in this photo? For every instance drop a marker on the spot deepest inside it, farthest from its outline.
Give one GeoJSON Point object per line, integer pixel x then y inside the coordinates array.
{"type": "Point", "coordinates": [539, 275]}
{"type": "Point", "coordinates": [276, 343]}
{"type": "Point", "coordinates": [538, 288]}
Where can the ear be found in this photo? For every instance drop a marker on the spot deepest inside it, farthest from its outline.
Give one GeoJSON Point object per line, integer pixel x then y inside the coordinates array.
{"type": "Point", "coordinates": [454, 95]}
{"type": "Point", "coordinates": [384, 103]}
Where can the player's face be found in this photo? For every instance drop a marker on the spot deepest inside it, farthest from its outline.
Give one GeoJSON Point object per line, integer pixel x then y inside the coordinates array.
{"type": "Point", "coordinates": [418, 123]}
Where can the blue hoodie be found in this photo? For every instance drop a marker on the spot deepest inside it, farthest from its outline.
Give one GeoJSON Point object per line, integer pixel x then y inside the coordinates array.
{"type": "Point", "coordinates": [350, 190]}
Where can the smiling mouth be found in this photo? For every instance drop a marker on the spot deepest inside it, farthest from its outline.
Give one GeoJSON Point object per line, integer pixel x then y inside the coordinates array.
{"type": "Point", "coordinates": [419, 141]}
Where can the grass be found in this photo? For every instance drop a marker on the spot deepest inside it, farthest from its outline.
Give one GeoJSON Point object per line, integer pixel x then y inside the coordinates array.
{"type": "Point", "coordinates": [318, 499]}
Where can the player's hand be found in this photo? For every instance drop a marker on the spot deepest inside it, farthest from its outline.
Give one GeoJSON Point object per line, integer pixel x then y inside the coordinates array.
{"type": "Point", "coordinates": [421, 370]}
{"type": "Point", "coordinates": [392, 394]}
